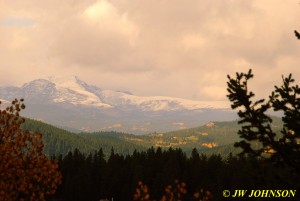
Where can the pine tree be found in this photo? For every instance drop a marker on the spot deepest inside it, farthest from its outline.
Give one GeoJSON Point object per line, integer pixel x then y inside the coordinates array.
{"type": "Point", "coordinates": [282, 148]}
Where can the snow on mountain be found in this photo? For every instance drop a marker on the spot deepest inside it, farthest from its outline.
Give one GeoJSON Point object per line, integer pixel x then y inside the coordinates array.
{"type": "Point", "coordinates": [157, 103]}
{"type": "Point", "coordinates": [74, 91]}
{"type": "Point", "coordinates": [72, 103]}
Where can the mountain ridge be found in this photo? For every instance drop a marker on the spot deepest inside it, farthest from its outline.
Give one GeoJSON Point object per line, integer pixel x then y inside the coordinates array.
{"type": "Point", "coordinates": [213, 137]}
{"type": "Point", "coordinates": [71, 102]}
{"type": "Point", "coordinates": [66, 86]}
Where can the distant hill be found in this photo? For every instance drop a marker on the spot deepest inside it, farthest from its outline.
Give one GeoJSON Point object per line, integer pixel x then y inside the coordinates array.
{"type": "Point", "coordinates": [59, 141]}
{"type": "Point", "coordinates": [213, 137]}
{"type": "Point", "coordinates": [209, 136]}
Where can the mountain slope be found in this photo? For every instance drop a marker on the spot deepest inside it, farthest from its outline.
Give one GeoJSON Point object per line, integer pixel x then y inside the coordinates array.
{"type": "Point", "coordinates": [70, 102]}
{"type": "Point", "coordinates": [211, 138]}
{"type": "Point", "coordinates": [206, 137]}
{"type": "Point", "coordinates": [59, 141]}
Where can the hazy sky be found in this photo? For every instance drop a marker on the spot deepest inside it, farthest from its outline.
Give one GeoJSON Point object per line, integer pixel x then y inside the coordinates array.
{"type": "Point", "coordinates": [180, 48]}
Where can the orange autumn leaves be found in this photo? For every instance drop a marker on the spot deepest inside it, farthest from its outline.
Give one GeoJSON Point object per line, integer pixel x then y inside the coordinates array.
{"type": "Point", "coordinates": [142, 192]}
{"type": "Point", "coordinates": [25, 172]}
{"type": "Point", "coordinates": [175, 192]}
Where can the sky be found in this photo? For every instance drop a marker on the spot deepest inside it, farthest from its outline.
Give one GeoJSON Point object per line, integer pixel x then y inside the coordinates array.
{"type": "Point", "coordinates": [178, 48]}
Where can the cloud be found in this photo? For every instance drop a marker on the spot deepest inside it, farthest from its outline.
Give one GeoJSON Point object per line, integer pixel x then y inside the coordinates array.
{"type": "Point", "coordinates": [100, 37]}
{"type": "Point", "coordinates": [172, 47]}
{"type": "Point", "coordinates": [12, 21]}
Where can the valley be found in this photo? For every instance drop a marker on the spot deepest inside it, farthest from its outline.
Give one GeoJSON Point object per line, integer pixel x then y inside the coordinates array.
{"type": "Point", "coordinates": [210, 138]}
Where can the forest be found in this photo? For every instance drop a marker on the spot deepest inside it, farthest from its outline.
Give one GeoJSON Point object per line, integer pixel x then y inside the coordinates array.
{"type": "Point", "coordinates": [211, 138]}
{"type": "Point", "coordinates": [91, 177]}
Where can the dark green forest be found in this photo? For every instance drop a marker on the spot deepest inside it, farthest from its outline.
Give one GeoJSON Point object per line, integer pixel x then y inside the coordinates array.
{"type": "Point", "coordinates": [91, 177]}
{"type": "Point", "coordinates": [59, 141]}
{"type": "Point", "coordinates": [211, 138]}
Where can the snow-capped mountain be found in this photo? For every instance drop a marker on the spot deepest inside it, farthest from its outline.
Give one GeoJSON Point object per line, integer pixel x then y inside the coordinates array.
{"type": "Point", "coordinates": [156, 103]}
{"type": "Point", "coordinates": [56, 90]}
{"type": "Point", "coordinates": [71, 102]}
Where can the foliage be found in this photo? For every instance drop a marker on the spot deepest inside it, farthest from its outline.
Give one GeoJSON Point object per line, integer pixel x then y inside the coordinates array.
{"type": "Point", "coordinates": [203, 195]}
{"type": "Point", "coordinates": [91, 177]}
{"type": "Point", "coordinates": [175, 192]}
{"type": "Point", "coordinates": [297, 34]}
{"type": "Point", "coordinates": [142, 192]}
{"type": "Point", "coordinates": [282, 148]}
{"type": "Point", "coordinates": [25, 172]}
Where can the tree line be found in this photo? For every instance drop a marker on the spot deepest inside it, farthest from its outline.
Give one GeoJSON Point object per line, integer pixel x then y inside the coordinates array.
{"type": "Point", "coordinates": [91, 177]}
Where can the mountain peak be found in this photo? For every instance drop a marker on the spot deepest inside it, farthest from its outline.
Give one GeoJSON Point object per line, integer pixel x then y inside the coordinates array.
{"type": "Point", "coordinates": [37, 82]}
{"type": "Point", "coordinates": [72, 90]}
{"type": "Point", "coordinates": [70, 101]}
{"type": "Point", "coordinates": [64, 81]}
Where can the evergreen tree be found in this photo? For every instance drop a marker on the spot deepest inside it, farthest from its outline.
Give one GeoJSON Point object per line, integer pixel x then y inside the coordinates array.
{"type": "Point", "coordinates": [282, 148]}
